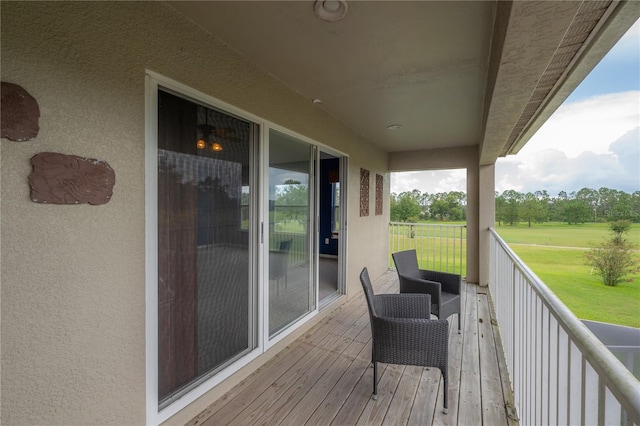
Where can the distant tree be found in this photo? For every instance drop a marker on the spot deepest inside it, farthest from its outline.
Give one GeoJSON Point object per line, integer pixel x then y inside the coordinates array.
{"type": "Point", "coordinates": [448, 206]}
{"type": "Point", "coordinates": [512, 206]}
{"type": "Point", "coordinates": [500, 208]}
{"type": "Point", "coordinates": [458, 202]}
{"type": "Point", "coordinates": [531, 209]}
{"type": "Point", "coordinates": [635, 206]}
{"type": "Point", "coordinates": [439, 209]}
{"type": "Point", "coordinates": [424, 202]}
{"type": "Point", "coordinates": [292, 193]}
{"type": "Point", "coordinates": [393, 209]}
{"type": "Point", "coordinates": [406, 208]}
{"type": "Point", "coordinates": [591, 198]}
{"type": "Point", "coordinates": [585, 205]}
{"type": "Point", "coordinates": [543, 199]}
{"type": "Point", "coordinates": [576, 212]}
{"type": "Point", "coordinates": [622, 208]}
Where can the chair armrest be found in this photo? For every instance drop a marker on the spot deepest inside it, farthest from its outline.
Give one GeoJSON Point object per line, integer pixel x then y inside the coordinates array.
{"type": "Point", "coordinates": [411, 341]}
{"type": "Point", "coordinates": [417, 306]}
{"type": "Point", "coordinates": [417, 285]}
{"type": "Point", "coordinates": [450, 282]}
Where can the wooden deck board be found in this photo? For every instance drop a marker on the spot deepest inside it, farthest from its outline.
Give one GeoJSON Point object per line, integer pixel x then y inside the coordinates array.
{"type": "Point", "coordinates": [325, 377]}
{"type": "Point", "coordinates": [469, 411]}
{"type": "Point", "coordinates": [493, 404]}
{"type": "Point", "coordinates": [403, 398]}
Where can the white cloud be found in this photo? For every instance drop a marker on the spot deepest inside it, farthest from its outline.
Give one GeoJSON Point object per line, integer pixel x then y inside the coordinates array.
{"type": "Point", "coordinates": [553, 170]}
{"type": "Point", "coordinates": [589, 125]}
{"type": "Point", "coordinates": [592, 143]}
{"type": "Point", "coordinates": [431, 182]}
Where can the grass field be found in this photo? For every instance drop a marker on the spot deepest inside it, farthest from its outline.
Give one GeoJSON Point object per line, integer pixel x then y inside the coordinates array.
{"type": "Point", "coordinates": [563, 235]}
{"type": "Point", "coordinates": [555, 252]}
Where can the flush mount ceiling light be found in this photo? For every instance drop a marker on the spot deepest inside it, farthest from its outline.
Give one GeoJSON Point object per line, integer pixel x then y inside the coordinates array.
{"type": "Point", "coordinates": [317, 101]}
{"type": "Point", "coordinates": [331, 10]}
{"type": "Point", "coordinates": [394, 126]}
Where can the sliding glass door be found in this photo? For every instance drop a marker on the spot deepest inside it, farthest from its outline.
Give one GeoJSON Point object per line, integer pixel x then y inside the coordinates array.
{"type": "Point", "coordinates": [232, 227]}
{"type": "Point", "coordinates": [290, 227]}
{"type": "Point", "coordinates": [206, 282]}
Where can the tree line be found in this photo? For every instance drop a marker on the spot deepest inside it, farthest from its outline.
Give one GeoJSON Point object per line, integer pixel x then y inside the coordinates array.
{"type": "Point", "coordinates": [585, 205]}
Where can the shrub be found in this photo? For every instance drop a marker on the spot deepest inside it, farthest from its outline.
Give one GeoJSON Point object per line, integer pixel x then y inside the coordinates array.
{"type": "Point", "coordinates": [613, 260]}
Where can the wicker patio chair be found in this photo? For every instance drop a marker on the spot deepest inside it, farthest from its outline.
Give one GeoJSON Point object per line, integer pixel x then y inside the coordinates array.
{"type": "Point", "coordinates": [402, 332]}
{"type": "Point", "coordinates": [443, 287]}
{"type": "Point", "coordinates": [278, 264]}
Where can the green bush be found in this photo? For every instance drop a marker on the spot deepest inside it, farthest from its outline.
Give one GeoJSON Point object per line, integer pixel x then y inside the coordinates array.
{"type": "Point", "coordinates": [613, 261]}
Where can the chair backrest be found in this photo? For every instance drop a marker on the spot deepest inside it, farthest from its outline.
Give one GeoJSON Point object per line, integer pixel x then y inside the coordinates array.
{"type": "Point", "coordinates": [368, 291]}
{"type": "Point", "coordinates": [407, 263]}
{"type": "Point", "coordinates": [284, 246]}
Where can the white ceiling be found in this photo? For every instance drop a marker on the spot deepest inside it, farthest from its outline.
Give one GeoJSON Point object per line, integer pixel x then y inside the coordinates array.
{"type": "Point", "coordinates": [451, 73]}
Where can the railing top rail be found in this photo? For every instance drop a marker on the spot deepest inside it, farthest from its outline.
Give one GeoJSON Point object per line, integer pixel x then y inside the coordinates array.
{"type": "Point", "coordinates": [617, 378]}
{"type": "Point", "coordinates": [428, 224]}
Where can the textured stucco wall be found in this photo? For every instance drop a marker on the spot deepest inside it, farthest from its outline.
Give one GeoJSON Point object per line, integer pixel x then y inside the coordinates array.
{"type": "Point", "coordinates": [73, 277]}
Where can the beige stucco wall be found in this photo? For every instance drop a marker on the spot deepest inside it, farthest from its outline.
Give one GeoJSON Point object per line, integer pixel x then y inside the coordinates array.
{"type": "Point", "coordinates": [73, 277]}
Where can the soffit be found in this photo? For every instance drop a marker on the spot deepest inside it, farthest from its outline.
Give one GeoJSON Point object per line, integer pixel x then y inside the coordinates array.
{"type": "Point", "coordinates": [453, 74]}
{"type": "Point", "coordinates": [418, 64]}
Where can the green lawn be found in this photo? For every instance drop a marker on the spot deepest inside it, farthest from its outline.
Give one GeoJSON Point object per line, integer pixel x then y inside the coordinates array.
{"type": "Point", "coordinates": [561, 234]}
{"type": "Point", "coordinates": [564, 271]}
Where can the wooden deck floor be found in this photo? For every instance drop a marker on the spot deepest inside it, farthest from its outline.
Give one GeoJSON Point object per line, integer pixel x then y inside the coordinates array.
{"type": "Point", "coordinates": [324, 377]}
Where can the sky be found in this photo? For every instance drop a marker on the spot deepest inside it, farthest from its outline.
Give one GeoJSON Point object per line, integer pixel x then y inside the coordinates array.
{"type": "Point", "coordinates": [591, 141]}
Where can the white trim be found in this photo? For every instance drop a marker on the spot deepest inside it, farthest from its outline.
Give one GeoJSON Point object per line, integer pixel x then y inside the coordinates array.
{"type": "Point", "coordinates": [316, 230]}
{"type": "Point", "coordinates": [342, 236]}
{"type": "Point", "coordinates": [264, 239]}
{"type": "Point", "coordinates": [153, 81]}
{"type": "Point", "coordinates": [151, 247]}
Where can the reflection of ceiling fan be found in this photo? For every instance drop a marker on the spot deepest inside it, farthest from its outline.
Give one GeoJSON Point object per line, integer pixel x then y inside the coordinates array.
{"type": "Point", "coordinates": [205, 132]}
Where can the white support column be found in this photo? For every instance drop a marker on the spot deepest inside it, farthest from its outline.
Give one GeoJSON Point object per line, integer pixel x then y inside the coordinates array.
{"type": "Point", "coordinates": [486, 219]}
{"type": "Point", "coordinates": [473, 215]}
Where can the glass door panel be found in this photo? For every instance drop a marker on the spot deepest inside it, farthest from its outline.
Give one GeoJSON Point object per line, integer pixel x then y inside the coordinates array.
{"type": "Point", "coordinates": [206, 294]}
{"type": "Point", "coordinates": [291, 292]}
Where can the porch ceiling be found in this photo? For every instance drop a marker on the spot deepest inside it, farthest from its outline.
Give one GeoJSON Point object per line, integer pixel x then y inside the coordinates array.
{"type": "Point", "coordinates": [452, 74]}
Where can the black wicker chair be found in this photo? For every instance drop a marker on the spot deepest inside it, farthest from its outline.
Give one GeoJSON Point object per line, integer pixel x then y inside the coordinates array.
{"type": "Point", "coordinates": [402, 332]}
{"type": "Point", "coordinates": [443, 287]}
{"type": "Point", "coordinates": [278, 264]}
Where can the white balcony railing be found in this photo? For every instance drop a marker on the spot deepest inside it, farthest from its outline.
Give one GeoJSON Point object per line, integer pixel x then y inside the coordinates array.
{"type": "Point", "coordinates": [560, 372]}
{"type": "Point", "coordinates": [438, 247]}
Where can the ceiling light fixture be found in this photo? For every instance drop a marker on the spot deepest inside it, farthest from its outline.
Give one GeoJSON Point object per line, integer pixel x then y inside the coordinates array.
{"type": "Point", "coordinates": [317, 101]}
{"type": "Point", "coordinates": [394, 126]}
{"type": "Point", "coordinates": [331, 10]}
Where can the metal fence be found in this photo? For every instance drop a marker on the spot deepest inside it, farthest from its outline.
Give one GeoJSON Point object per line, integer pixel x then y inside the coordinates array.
{"type": "Point", "coordinates": [438, 247]}
{"type": "Point", "coordinates": [560, 372]}
{"type": "Point", "coordinates": [298, 252]}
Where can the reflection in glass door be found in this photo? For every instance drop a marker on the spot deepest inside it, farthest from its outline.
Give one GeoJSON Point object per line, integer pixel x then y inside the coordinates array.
{"type": "Point", "coordinates": [205, 287]}
{"type": "Point", "coordinates": [290, 257]}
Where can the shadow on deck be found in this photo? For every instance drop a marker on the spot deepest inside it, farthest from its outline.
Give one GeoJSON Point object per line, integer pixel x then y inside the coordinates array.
{"type": "Point", "coordinates": [324, 377]}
